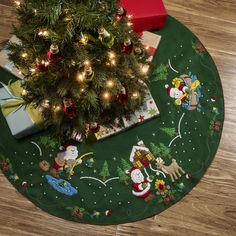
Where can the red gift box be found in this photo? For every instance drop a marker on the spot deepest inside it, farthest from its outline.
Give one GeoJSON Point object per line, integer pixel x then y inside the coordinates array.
{"type": "Point", "coordinates": [146, 14]}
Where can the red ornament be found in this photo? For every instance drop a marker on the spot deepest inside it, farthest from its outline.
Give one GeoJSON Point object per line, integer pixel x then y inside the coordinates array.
{"type": "Point", "coordinates": [69, 108]}
{"type": "Point", "coordinates": [24, 184]}
{"type": "Point", "coordinates": [168, 198]}
{"type": "Point", "coordinates": [108, 213]}
{"type": "Point", "coordinates": [127, 46]}
{"type": "Point", "coordinates": [122, 98]}
{"type": "Point", "coordinates": [189, 176]}
{"type": "Point", "coordinates": [78, 213]}
{"type": "Point", "coordinates": [54, 54]}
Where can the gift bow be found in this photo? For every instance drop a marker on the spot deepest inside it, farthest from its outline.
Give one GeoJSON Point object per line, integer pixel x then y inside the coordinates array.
{"type": "Point", "coordinates": [14, 102]}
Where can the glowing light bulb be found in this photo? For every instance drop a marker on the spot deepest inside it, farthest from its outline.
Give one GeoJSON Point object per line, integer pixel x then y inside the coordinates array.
{"type": "Point", "coordinates": [130, 16]}
{"type": "Point", "coordinates": [17, 3]}
{"type": "Point", "coordinates": [145, 69]}
{"type": "Point", "coordinates": [45, 33]}
{"type": "Point", "coordinates": [40, 33]}
{"type": "Point", "coordinates": [32, 70]}
{"type": "Point", "coordinates": [46, 63]}
{"type": "Point", "coordinates": [112, 55]}
{"type": "Point", "coordinates": [110, 83]}
{"type": "Point", "coordinates": [57, 108]}
{"type": "Point", "coordinates": [87, 63]}
{"type": "Point", "coordinates": [113, 62]}
{"type": "Point", "coordinates": [24, 55]}
{"type": "Point", "coordinates": [20, 72]}
{"type": "Point", "coordinates": [80, 77]}
{"type": "Point", "coordinates": [84, 40]}
{"type": "Point", "coordinates": [24, 92]}
{"type": "Point", "coordinates": [129, 24]}
{"type": "Point", "coordinates": [135, 95]}
{"type": "Point", "coordinates": [82, 90]}
{"type": "Point", "coordinates": [106, 96]}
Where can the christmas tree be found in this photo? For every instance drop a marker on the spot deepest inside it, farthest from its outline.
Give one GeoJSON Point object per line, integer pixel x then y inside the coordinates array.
{"type": "Point", "coordinates": [105, 171]}
{"type": "Point", "coordinates": [165, 151]}
{"type": "Point", "coordinates": [156, 151]}
{"type": "Point", "coordinates": [160, 73]}
{"type": "Point", "coordinates": [123, 176]}
{"type": "Point", "coordinates": [161, 150]}
{"type": "Point", "coordinates": [83, 64]}
{"type": "Point", "coordinates": [125, 165]}
{"type": "Point", "coordinates": [169, 131]}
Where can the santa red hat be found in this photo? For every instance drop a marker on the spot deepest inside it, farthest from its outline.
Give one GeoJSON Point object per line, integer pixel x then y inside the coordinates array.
{"type": "Point", "coordinates": [168, 89]}
{"type": "Point", "coordinates": [133, 169]}
{"type": "Point", "coordinates": [213, 99]}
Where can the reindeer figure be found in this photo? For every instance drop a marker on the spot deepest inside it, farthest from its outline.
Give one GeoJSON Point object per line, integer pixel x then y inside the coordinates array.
{"type": "Point", "coordinates": [173, 169]}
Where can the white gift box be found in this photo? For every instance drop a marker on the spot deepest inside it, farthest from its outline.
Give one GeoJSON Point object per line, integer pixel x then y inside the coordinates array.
{"type": "Point", "coordinates": [4, 60]}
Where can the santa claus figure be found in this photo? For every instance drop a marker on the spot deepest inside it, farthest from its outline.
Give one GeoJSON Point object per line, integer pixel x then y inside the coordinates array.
{"type": "Point", "coordinates": [178, 93]}
{"type": "Point", "coordinates": [69, 108]}
{"type": "Point", "coordinates": [141, 186]}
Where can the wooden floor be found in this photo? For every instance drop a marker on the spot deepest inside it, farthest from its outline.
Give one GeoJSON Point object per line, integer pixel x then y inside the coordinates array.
{"type": "Point", "coordinates": [210, 209]}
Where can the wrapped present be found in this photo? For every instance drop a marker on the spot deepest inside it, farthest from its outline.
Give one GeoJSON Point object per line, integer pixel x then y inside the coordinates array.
{"type": "Point", "coordinates": [147, 111]}
{"type": "Point", "coordinates": [9, 65]}
{"type": "Point", "coordinates": [22, 121]}
{"type": "Point", "coordinates": [151, 42]}
{"type": "Point", "coordinates": [146, 14]}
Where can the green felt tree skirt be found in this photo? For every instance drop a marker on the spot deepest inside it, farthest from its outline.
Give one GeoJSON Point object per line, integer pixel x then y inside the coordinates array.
{"type": "Point", "coordinates": [184, 136]}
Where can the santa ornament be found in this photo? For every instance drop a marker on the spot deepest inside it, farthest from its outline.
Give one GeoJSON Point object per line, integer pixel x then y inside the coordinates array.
{"type": "Point", "coordinates": [127, 46]}
{"type": "Point", "coordinates": [122, 96]}
{"type": "Point", "coordinates": [54, 54]}
{"type": "Point", "coordinates": [69, 108]}
{"type": "Point", "coordinates": [141, 186]}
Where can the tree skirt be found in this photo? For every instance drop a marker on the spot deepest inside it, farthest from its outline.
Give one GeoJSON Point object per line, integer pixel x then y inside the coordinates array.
{"type": "Point", "coordinates": [144, 170]}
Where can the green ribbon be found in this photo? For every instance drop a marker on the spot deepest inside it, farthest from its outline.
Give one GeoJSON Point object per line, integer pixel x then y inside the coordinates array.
{"type": "Point", "coordinates": [15, 102]}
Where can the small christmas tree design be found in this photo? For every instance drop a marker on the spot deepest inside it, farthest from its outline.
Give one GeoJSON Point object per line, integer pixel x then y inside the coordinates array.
{"type": "Point", "coordinates": [165, 151]}
{"type": "Point", "coordinates": [169, 131]}
{"type": "Point", "coordinates": [156, 151]}
{"type": "Point", "coordinates": [122, 175]}
{"type": "Point", "coordinates": [160, 73]}
{"type": "Point", "coordinates": [125, 165]}
{"type": "Point", "coordinates": [105, 171]}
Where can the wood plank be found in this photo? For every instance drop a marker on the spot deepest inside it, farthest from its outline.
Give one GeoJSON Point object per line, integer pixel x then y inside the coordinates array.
{"type": "Point", "coordinates": [210, 208]}
{"type": "Point", "coordinates": [218, 10]}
